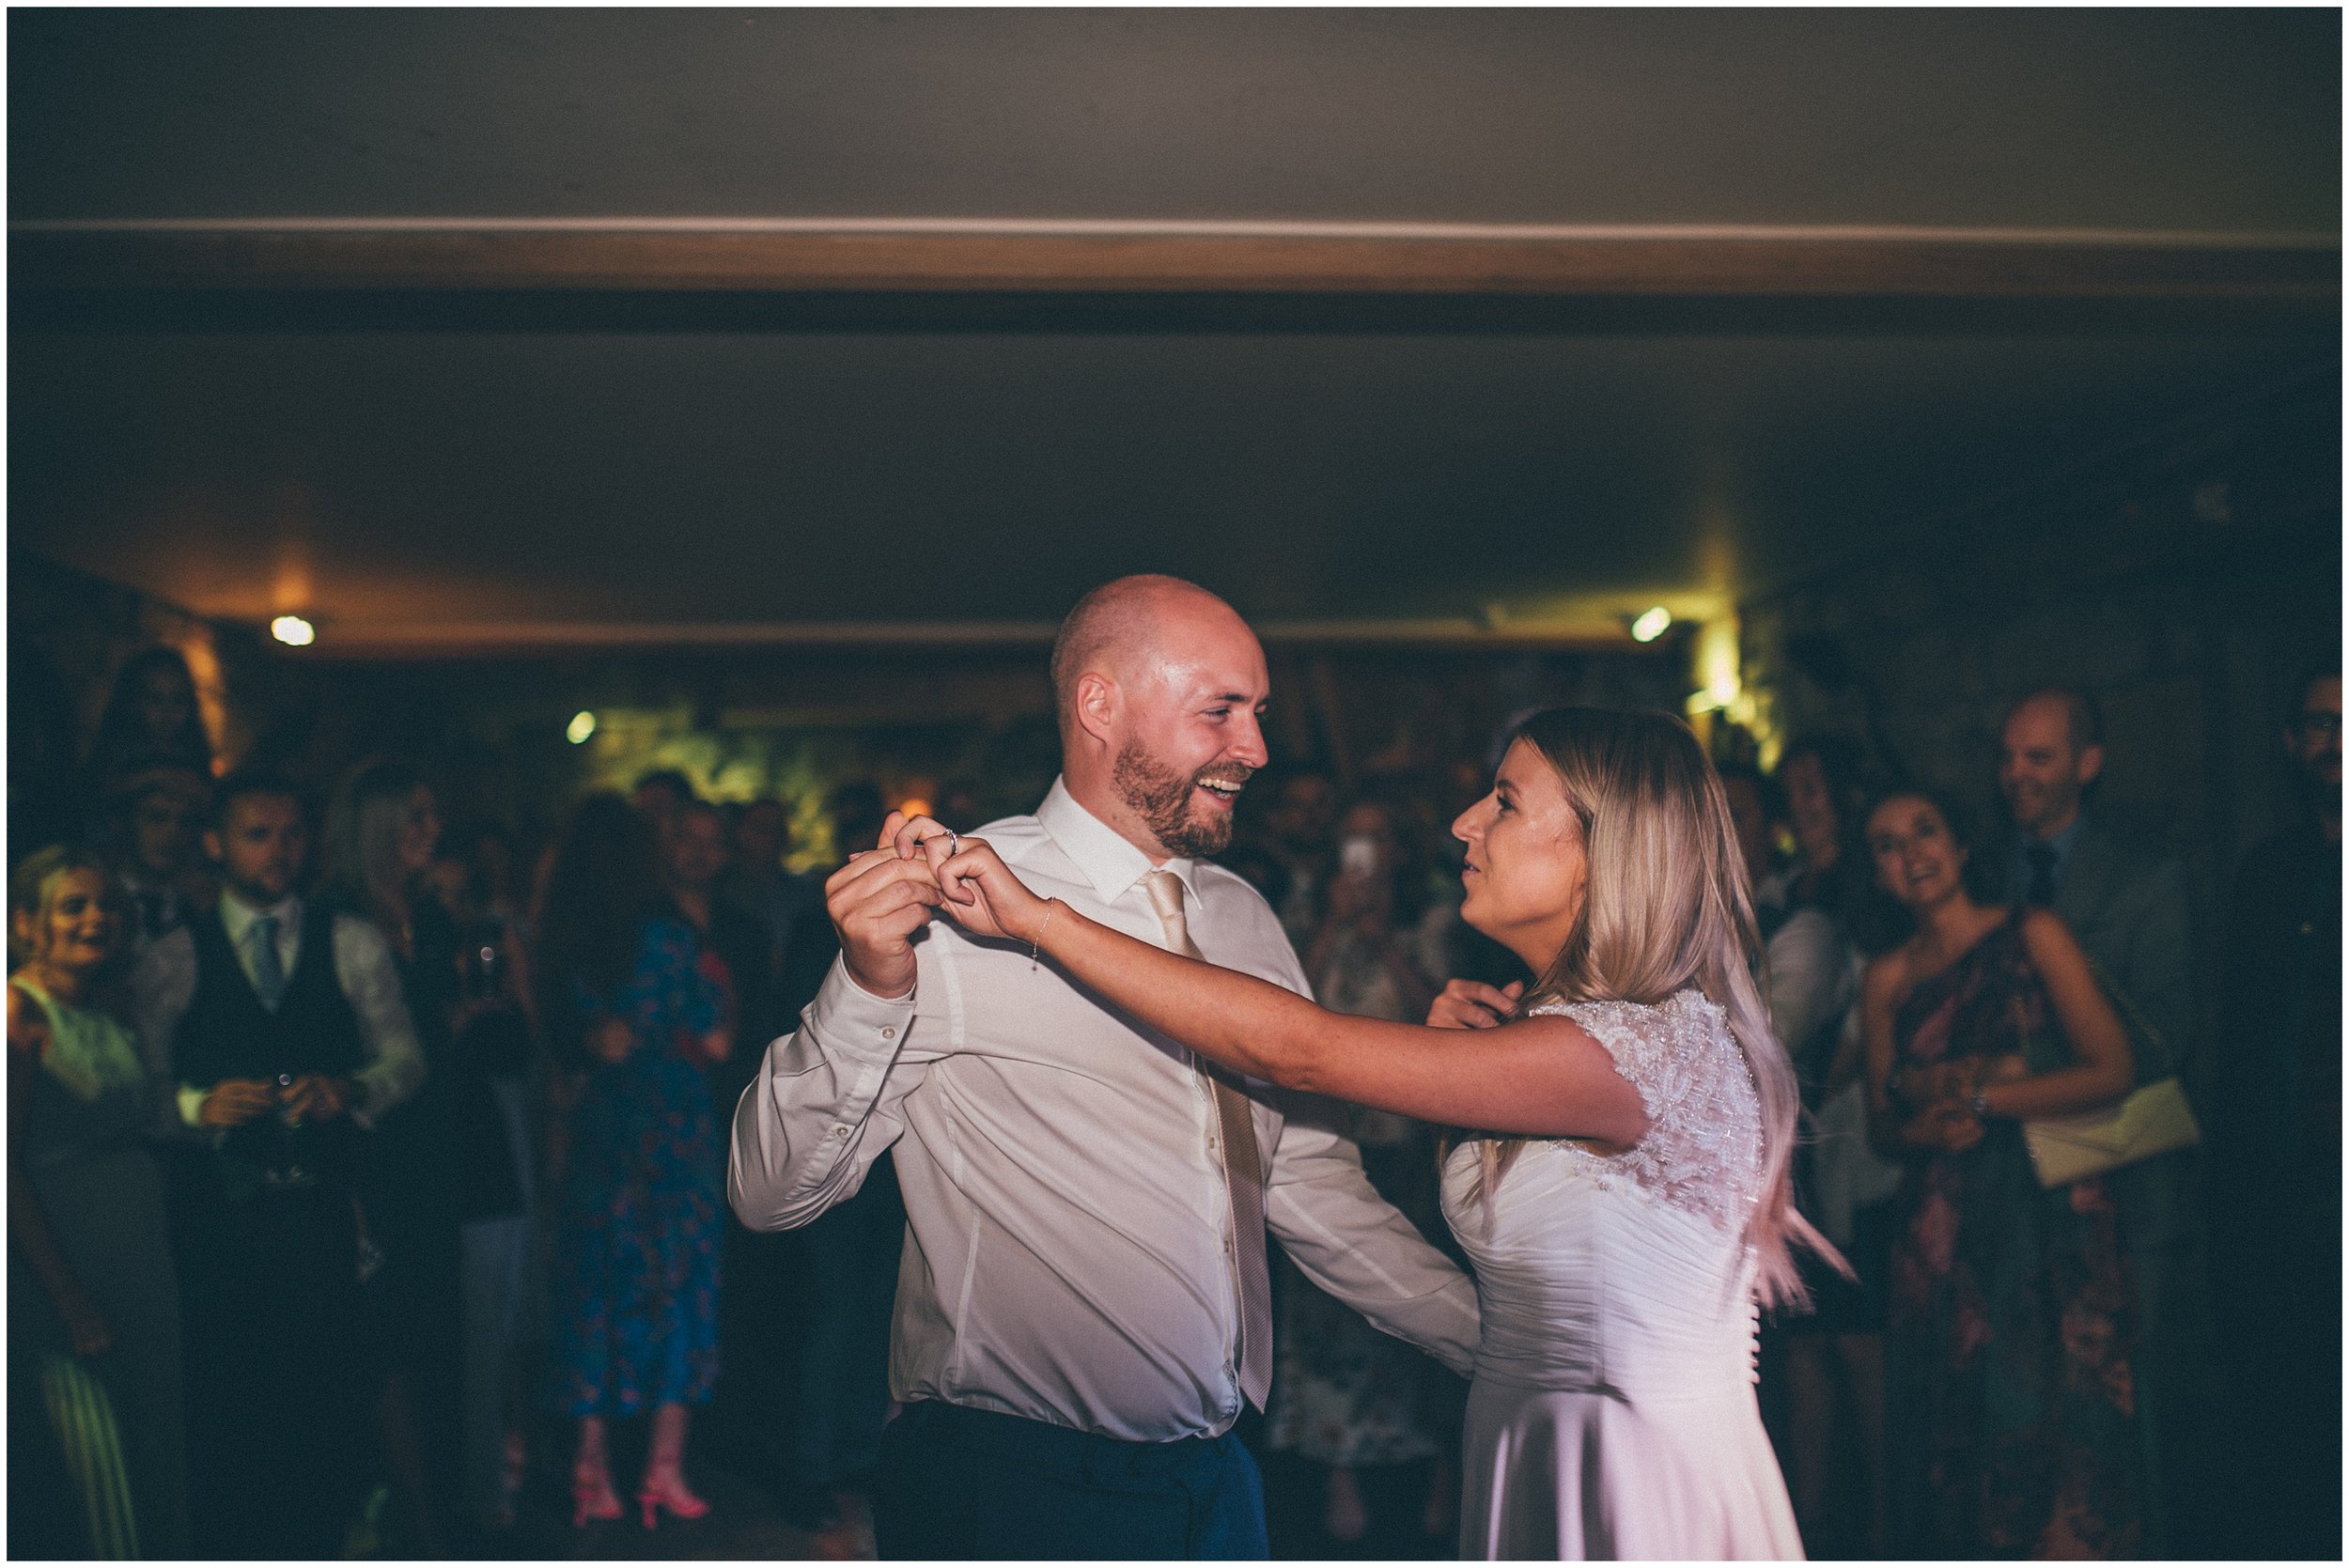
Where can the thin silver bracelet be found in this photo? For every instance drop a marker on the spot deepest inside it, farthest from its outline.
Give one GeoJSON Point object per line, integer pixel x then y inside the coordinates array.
{"type": "Point", "coordinates": [1036, 941]}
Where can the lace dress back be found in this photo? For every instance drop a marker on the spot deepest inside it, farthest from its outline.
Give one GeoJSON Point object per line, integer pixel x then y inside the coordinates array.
{"type": "Point", "coordinates": [1613, 1413]}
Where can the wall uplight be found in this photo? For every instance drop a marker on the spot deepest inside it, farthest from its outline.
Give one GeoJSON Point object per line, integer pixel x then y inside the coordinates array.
{"type": "Point", "coordinates": [293, 632]}
{"type": "Point", "coordinates": [1651, 625]}
{"type": "Point", "coordinates": [582, 725]}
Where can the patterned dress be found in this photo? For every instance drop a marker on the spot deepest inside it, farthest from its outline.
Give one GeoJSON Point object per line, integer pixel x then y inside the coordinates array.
{"type": "Point", "coordinates": [2009, 1407]}
{"type": "Point", "coordinates": [635, 1301]}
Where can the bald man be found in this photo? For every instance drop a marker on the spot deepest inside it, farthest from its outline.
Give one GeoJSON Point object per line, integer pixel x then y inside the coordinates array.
{"type": "Point", "coordinates": [1082, 1305]}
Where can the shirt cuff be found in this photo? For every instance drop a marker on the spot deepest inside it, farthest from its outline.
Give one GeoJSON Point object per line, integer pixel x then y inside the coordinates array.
{"type": "Point", "coordinates": [846, 1016]}
{"type": "Point", "coordinates": [192, 1105]}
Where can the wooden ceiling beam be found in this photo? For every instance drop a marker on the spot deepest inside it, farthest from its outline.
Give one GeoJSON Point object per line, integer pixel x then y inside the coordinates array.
{"type": "Point", "coordinates": [922, 257]}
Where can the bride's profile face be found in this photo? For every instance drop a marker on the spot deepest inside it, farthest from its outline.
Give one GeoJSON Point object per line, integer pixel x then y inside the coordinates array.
{"type": "Point", "coordinates": [1526, 871]}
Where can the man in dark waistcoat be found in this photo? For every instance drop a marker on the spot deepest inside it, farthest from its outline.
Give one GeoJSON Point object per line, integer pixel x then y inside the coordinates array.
{"type": "Point", "coordinates": [283, 1033]}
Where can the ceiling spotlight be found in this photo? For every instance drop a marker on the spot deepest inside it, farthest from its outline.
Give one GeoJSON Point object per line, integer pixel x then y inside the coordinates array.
{"type": "Point", "coordinates": [1651, 626]}
{"type": "Point", "coordinates": [293, 632]}
{"type": "Point", "coordinates": [582, 725]}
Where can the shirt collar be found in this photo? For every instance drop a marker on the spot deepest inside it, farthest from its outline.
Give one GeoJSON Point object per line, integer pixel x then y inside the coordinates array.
{"type": "Point", "coordinates": [1111, 864]}
{"type": "Point", "coordinates": [237, 917]}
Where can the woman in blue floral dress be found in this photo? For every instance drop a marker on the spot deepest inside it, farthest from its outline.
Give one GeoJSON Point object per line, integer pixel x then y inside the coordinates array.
{"type": "Point", "coordinates": [633, 1000]}
{"type": "Point", "coordinates": [2011, 1412]}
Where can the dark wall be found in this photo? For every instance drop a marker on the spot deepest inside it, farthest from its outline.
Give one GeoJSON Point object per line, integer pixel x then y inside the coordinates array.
{"type": "Point", "coordinates": [2182, 582]}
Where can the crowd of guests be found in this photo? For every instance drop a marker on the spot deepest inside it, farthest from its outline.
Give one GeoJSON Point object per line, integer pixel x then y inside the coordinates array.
{"type": "Point", "coordinates": [346, 1150]}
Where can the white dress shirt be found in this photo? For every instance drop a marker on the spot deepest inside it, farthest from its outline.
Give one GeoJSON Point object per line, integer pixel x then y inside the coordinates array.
{"type": "Point", "coordinates": [1067, 1254]}
{"type": "Point", "coordinates": [163, 987]}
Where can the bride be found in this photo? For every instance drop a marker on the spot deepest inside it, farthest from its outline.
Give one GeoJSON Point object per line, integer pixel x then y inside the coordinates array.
{"type": "Point", "coordinates": [1624, 1197]}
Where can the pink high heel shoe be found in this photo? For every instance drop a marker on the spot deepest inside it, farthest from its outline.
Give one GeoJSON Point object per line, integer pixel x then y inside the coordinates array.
{"type": "Point", "coordinates": [668, 1492]}
{"type": "Point", "coordinates": [593, 1500]}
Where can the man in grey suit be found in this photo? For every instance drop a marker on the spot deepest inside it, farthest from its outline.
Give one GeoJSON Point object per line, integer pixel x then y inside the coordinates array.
{"type": "Point", "coordinates": [2125, 900]}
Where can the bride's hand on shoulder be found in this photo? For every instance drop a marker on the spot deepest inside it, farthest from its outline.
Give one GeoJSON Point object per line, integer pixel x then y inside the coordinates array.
{"type": "Point", "coordinates": [1473, 1005]}
{"type": "Point", "coordinates": [982, 895]}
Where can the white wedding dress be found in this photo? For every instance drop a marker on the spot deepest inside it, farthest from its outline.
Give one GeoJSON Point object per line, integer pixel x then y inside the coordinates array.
{"type": "Point", "coordinates": [1613, 1413]}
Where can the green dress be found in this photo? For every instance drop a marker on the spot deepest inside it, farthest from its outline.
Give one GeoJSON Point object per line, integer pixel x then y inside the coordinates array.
{"type": "Point", "coordinates": [84, 1150]}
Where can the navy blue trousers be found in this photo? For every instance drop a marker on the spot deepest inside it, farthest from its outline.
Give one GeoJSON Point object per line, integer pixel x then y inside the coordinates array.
{"type": "Point", "coordinates": [962, 1484]}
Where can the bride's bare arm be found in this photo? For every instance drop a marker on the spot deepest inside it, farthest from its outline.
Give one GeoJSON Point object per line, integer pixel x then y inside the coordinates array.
{"type": "Point", "coordinates": [1542, 1077]}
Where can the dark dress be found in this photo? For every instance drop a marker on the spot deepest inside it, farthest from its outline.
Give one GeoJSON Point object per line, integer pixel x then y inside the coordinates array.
{"type": "Point", "coordinates": [84, 1152]}
{"type": "Point", "coordinates": [2011, 1415]}
{"type": "Point", "coordinates": [635, 1296]}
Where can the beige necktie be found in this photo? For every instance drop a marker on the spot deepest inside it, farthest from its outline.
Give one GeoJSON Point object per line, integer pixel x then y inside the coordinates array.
{"type": "Point", "coordinates": [1243, 1174]}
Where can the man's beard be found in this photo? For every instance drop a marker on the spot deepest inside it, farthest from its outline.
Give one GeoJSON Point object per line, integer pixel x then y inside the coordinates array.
{"type": "Point", "coordinates": [1161, 798]}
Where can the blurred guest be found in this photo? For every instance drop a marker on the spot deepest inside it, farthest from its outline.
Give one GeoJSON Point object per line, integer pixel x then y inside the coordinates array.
{"type": "Point", "coordinates": [1347, 1397]}
{"type": "Point", "coordinates": [759, 882]}
{"type": "Point", "coordinates": [159, 830]}
{"type": "Point", "coordinates": [94, 1300]}
{"type": "Point", "coordinates": [734, 945]}
{"type": "Point", "coordinates": [468, 879]}
{"type": "Point", "coordinates": [1824, 792]}
{"type": "Point", "coordinates": [281, 1023]}
{"type": "Point", "coordinates": [635, 1297]}
{"type": "Point", "coordinates": [1823, 1370]}
{"type": "Point", "coordinates": [2274, 1159]}
{"type": "Point", "coordinates": [2127, 900]}
{"type": "Point", "coordinates": [2013, 1428]}
{"type": "Point", "coordinates": [151, 720]}
{"type": "Point", "coordinates": [442, 1159]}
{"type": "Point", "coordinates": [662, 794]}
{"type": "Point", "coordinates": [1299, 820]}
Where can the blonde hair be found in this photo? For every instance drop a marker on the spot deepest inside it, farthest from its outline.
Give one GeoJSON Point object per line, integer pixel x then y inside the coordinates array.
{"type": "Point", "coordinates": [1667, 907]}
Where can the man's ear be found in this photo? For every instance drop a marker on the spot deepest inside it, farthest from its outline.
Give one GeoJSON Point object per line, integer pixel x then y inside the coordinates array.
{"type": "Point", "coordinates": [2091, 763]}
{"type": "Point", "coordinates": [212, 846]}
{"type": "Point", "coordinates": [1099, 703]}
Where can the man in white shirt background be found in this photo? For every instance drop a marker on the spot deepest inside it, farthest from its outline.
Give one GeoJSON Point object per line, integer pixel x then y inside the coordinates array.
{"type": "Point", "coordinates": [1081, 1304]}
{"type": "Point", "coordinates": [280, 1027]}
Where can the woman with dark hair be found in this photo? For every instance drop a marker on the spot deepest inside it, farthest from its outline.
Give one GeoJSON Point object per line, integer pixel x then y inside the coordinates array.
{"type": "Point", "coordinates": [2011, 1415]}
{"type": "Point", "coordinates": [151, 720]}
{"type": "Point", "coordinates": [1625, 1199]}
{"type": "Point", "coordinates": [93, 1299]}
{"type": "Point", "coordinates": [1825, 788]}
{"type": "Point", "coordinates": [626, 997]}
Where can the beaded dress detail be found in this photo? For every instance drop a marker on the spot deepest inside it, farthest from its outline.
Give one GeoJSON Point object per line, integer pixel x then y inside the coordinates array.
{"type": "Point", "coordinates": [1613, 1413]}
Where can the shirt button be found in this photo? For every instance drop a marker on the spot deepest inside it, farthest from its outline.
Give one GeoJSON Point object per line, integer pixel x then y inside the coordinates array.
{"type": "Point", "coordinates": [840, 1132]}
{"type": "Point", "coordinates": [889, 1031]}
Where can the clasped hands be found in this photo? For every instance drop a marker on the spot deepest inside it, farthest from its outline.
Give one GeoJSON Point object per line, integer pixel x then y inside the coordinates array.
{"type": "Point", "coordinates": [312, 1097]}
{"type": "Point", "coordinates": [1943, 1094]}
{"type": "Point", "coordinates": [886, 893]}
